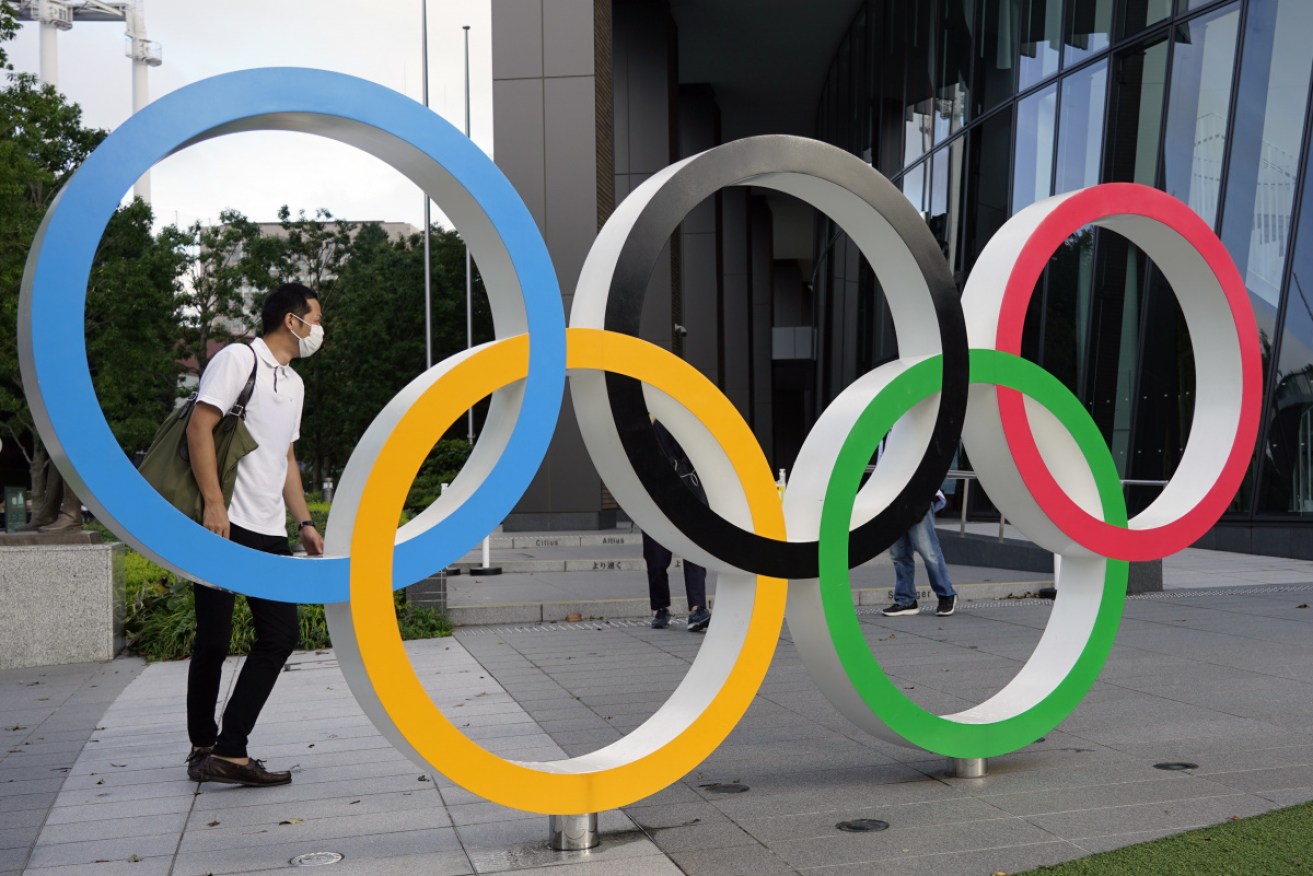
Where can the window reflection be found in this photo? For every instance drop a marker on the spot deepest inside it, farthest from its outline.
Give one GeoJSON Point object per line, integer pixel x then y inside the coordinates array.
{"type": "Point", "coordinates": [945, 201]}
{"type": "Point", "coordinates": [996, 53]}
{"type": "Point", "coordinates": [1088, 25]}
{"type": "Point", "coordinates": [914, 186]}
{"type": "Point", "coordinates": [989, 151]}
{"type": "Point", "coordinates": [1287, 475]}
{"type": "Point", "coordinates": [1139, 14]}
{"type": "Point", "coordinates": [1273, 88]}
{"type": "Point", "coordinates": [1041, 23]}
{"type": "Point", "coordinates": [1080, 131]}
{"type": "Point", "coordinates": [1135, 114]}
{"type": "Point", "coordinates": [1034, 168]}
{"type": "Point", "coordinates": [1198, 109]}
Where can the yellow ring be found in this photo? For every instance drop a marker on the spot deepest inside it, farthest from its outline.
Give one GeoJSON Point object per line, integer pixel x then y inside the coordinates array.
{"type": "Point", "coordinates": [567, 786]}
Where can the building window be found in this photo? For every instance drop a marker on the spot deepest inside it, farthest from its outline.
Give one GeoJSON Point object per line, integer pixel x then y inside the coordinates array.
{"type": "Point", "coordinates": [1198, 109]}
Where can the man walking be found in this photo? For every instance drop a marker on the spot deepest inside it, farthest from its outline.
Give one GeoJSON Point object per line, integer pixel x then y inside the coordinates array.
{"type": "Point", "coordinates": [922, 539]}
{"type": "Point", "coordinates": [268, 485]}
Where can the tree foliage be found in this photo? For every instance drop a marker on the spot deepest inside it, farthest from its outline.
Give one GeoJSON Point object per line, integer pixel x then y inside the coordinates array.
{"type": "Point", "coordinates": [158, 300]}
{"type": "Point", "coordinates": [374, 336]}
{"type": "Point", "coordinates": [42, 141]}
{"type": "Point", "coordinates": [132, 323]}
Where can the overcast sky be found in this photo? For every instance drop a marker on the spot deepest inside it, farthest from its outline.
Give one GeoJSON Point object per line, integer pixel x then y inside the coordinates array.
{"type": "Point", "coordinates": [258, 172]}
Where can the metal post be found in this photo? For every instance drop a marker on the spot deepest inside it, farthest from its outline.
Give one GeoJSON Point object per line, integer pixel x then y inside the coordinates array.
{"type": "Point", "coordinates": [49, 54]}
{"type": "Point", "coordinates": [968, 767]}
{"type": "Point", "coordinates": [469, 273]}
{"type": "Point", "coordinates": [966, 495]}
{"type": "Point", "coordinates": [573, 833]}
{"type": "Point", "coordinates": [428, 268]}
{"type": "Point", "coordinates": [140, 97]}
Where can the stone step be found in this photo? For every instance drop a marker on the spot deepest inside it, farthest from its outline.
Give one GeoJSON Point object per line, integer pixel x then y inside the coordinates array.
{"type": "Point", "coordinates": [623, 609]}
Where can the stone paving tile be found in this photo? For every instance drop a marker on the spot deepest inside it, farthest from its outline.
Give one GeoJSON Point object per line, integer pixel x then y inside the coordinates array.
{"type": "Point", "coordinates": [1105, 796]}
{"type": "Point", "coordinates": [428, 864]}
{"type": "Point", "coordinates": [697, 837]}
{"type": "Point", "coordinates": [129, 824]}
{"type": "Point", "coordinates": [1004, 859]}
{"type": "Point", "coordinates": [1177, 815]}
{"type": "Point", "coordinates": [159, 865]}
{"type": "Point", "coordinates": [930, 839]}
{"type": "Point", "coordinates": [298, 825]}
{"type": "Point", "coordinates": [823, 824]}
{"type": "Point", "coordinates": [276, 856]}
{"type": "Point", "coordinates": [737, 861]}
{"type": "Point", "coordinates": [89, 852]}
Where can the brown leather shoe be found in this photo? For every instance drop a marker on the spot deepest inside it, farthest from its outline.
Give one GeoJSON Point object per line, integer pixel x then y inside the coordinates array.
{"type": "Point", "coordinates": [253, 774]}
{"type": "Point", "coordinates": [194, 761]}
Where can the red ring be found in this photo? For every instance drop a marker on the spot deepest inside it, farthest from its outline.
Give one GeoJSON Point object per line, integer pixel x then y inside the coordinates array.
{"type": "Point", "coordinates": [1085, 208]}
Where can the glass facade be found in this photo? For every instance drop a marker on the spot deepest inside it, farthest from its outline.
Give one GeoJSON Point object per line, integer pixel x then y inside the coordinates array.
{"type": "Point", "coordinates": [977, 108]}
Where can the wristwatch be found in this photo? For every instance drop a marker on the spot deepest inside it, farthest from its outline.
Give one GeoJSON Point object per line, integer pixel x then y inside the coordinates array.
{"type": "Point", "coordinates": [304, 523]}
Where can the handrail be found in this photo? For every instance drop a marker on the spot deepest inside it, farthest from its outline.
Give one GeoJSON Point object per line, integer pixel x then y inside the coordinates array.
{"type": "Point", "coordinates": [967, 476]}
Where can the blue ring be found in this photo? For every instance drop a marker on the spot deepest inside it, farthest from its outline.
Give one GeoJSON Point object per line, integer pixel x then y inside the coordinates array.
{"type": "Point", "coordinates": [53, 304]}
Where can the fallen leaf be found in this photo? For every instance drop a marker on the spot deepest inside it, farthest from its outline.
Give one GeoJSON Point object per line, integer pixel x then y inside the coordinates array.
{"type": "Point", "coordinates": [212, 824]}
{"type": "Point", "coordinates": [100, 781]}
{"type": "Point", "coordinates": [423, 778]}
{"type": "Point", "coordinates": [134, 859]}
{"type": "Point", "coordinates": [311, 745]}
{"type": "Point", "coordinates": [119, 765]}
{"type": "Point", "coordinates": [291, 821]}
{"type": "Point", "coordinates": [353, 802]}
{"type": "Point", "coordinates": [1302, 605]}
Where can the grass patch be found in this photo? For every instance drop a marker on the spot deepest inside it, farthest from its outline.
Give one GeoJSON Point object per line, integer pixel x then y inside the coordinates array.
{"type": "Point", "coordinates": [161, 616]}
{"type": "Point", "coordinates": [1271, 844]}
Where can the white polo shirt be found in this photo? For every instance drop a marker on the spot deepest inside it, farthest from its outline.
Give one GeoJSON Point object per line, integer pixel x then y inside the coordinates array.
{"type": "Point", "coordinates": [273, 416]}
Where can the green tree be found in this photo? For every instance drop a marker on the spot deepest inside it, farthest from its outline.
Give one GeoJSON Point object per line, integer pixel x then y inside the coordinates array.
{"type": "Point", "coordinates": [132, 323]}
{"type": "Point", "coordinates": [226, 259]}
{"type": "Point", "coordinates": [8, 27]}
{"type": "Point", "coordinates": [374, 343]}
{"type": "Point", "coordinates": [42, 141]}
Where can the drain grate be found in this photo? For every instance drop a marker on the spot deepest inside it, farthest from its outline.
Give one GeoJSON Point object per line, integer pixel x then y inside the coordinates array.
{"type": "Point", "coordinates": [862, 825]}
{"type": "Point", "coordinates": [723, 788]}
{"type": "Point", "coordinates": [316, 859]}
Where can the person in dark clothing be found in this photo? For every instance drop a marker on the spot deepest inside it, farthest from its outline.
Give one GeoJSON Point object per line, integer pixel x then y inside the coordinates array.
{"type": "Point", "coordinates": [657, 558]}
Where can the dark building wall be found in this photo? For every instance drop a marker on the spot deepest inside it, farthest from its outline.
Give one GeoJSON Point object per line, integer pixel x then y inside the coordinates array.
{"type": "Point", "coordinates": [545, 104]}
{"type": "Point", "coordinates": [993, 104]}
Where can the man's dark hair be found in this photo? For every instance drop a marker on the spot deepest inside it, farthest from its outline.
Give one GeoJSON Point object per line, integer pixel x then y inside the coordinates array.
{"type": "Point", "coordinates": [288, 298]}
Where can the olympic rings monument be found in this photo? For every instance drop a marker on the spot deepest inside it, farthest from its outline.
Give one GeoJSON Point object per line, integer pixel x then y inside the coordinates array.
{"type": "Point", "coordinates": [1038, 453]}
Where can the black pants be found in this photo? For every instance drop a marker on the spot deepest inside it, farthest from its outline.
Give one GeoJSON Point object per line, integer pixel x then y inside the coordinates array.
{"type": "Point", "coordinates": [658, 560]}
{"type": "Point", "coordinates": [276, 634]}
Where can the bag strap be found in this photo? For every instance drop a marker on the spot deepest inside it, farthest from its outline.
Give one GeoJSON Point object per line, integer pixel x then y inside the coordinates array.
{"type": "Point", "coordinates": [238, 410]}
{"type": "Point", "coordinates": [244, 397]}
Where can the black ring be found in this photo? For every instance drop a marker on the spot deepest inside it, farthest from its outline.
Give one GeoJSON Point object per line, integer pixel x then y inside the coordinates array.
{"type": "Point", "coordinates": [741, 162]}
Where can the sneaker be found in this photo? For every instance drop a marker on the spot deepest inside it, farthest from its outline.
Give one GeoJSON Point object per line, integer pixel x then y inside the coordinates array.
{"type": "Point", "coordinates": [699, 620]}
{"type": "Point", "coordinates": [947, 605]}
{"type": "Point", "coordinates": [194, 761]}
{"type": "Point", "coordinates": [900, 610]}
{"type": "Point", "coordinates": [253, 774]}
{"type": "Point", "coordinates": [661, 619]}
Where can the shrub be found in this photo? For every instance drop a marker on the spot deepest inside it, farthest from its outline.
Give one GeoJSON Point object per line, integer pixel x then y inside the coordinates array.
{"type": "Point", "coordinates": [161, 617]}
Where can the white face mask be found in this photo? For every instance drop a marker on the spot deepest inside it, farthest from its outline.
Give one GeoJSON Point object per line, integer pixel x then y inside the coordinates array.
{"type": "Point", "coordinates": [311, 343]}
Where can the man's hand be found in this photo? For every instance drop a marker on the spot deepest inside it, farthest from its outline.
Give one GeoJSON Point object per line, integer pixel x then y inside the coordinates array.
{"type": "Point", "coordinates": [215, 519]}
{"type": "Point", "coordinates": [312, 541]}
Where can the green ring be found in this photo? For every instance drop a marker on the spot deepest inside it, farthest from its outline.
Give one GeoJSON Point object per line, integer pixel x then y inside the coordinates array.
{"type": "Point", "coordinates": [886, 701]}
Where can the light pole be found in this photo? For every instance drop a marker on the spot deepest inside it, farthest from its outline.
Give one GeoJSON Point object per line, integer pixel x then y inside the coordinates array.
{"type": "Point", "coordinates": [469, 273]}
{"type": "Point", "coordinates": [428, 269]}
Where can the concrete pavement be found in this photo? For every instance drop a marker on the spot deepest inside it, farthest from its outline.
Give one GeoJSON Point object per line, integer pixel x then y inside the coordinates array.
{"type": "Point", "coordinates": [92, 779]}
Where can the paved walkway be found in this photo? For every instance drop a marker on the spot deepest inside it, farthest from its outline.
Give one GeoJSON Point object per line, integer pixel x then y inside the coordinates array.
{"type": "Point", "coordinates": [92, 779]}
